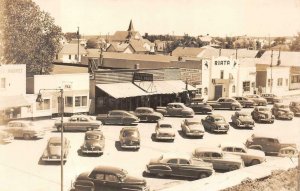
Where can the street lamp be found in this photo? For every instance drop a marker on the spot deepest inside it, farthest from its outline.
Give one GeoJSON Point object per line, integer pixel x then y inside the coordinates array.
{"type": "Point", "coordinates": [39, 99]}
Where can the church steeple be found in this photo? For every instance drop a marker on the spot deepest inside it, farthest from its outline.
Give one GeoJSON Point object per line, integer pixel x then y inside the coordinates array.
{"type": "Point", "coordinates": [130, 28]}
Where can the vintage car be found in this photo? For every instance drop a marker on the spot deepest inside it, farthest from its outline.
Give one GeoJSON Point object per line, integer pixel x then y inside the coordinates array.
{"type": "Point", "coordinates": [130, 138]}
{"type": "Point", "coordinates": [262, 114]}
{"type": "Point", "coordinates": [6, 137]}
{"type": "Point", "coordinates": [282, 111]}
{"type": "Point", "coordinates": [108, 178]}
{"type": "Point", "coordinates": [94, 142]}
{"type": "Point", "coordinates": [225, 103]}
{"type": "Point", "coordinates": [258, 100]}
{"type": "Point", "coordinates": [164, 131]}
{"type": "Point", "coordinates": [118, 117]}
{"type": "Point", "coordinates": [249, 156]}
{"type": "Point", "coordinates": [219, 159]}
{"type": "Point", "coordinates": [215, 123]}
{"type": "Point", "coordinates": [288, 152]}
{"type": "Point", "coordinates": [271, 98]}
{"type": "Point", "coordinates": [52, 151]}
{"type": "Point", "coordinates": [267, 143]}
{"type": "Point", "coordinates": [24, 129]}
{"type": "Point", "coordinates": [295, 107]}
{"type": "Point", "coordinates": [242, 120]}
{"type": "Point", "coordinates": [244, 101]}
{"type": "Point", "coordinates": [199, 106]}
{"type": "Point", "coordinates": [180, 165]}
{"type": "Point", "coordinates": [176, 109]}
{"type": "Point", "coordinates": [192, 127]}
{"type": "Point", "coordinates": [147, 114]}
{"type": "Point", "coordinates": [78, 123]}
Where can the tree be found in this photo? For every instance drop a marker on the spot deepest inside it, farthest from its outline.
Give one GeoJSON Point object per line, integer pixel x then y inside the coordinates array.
{"type": "Point", "coordinates": [71, 35]}
{"type": "Point", "coordinates": [29, 36]}
{"type": "Point", "coordinates": [296, 43]}
{"type": "Point", "coordinates": [92, 43]}
{"type": "Point", "coordinates": [279, 40]}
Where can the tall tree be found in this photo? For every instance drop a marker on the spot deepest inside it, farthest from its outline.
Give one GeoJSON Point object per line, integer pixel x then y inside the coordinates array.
{"type": "Point", "coordinates": [296, 43]}
{"type": "Point", "coordinates": [29, 36]}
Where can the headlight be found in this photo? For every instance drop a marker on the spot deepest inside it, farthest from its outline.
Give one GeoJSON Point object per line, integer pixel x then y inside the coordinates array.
{"type": "Point", "coordinates": [261, 116]}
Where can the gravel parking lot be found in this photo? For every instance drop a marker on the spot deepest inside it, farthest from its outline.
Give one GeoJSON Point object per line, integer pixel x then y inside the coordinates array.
{"type": "Point", "coordinates": [19, 160]}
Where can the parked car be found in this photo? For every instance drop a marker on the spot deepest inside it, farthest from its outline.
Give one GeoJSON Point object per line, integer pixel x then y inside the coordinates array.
{"type": "Point", "coordinates": [147, 114]}
{"type": "Point", "coordinates": [220, 160]}
{"type": "Point", "coordinates": [271, 98]}
{"type": "Point", "coordinates": [242, 119]}
{"type": "Point", "coordinates": [108, 178]}
{"type": "Point", "coordinates": [215, 123]}
{"type": "Point", "coordinates": [258, 100]}
{"type": "Point", "coordinates": [225, 103]}
{"type": "Point", "coordinates": [24, 129]}
{"type": "Point", "coordinates": [199, 106]}
{"type": "Point", "coordinates": [94, 142]}
{"type": "Point", "coordinates": [192, 127]}
{"type": "Point", "coordinates": [267, 143]}
{"type": "Point", "coordinates": [130, 138]}
{"type": "Point", "coordinates": [6, 137]}
{"type": "Point", "coordinates": [176, 109]}
{"type": "Point", "coordinates": [164, 131]}
{"type": "Point", "coordinates": [78, 123]}
{"type": "Point", "coordinates": [180, 165]}
{"type": "Point", "coordinates": [118, 117]}
{"type": "Point", "coordinates": [52, 151]}
{"type": "Point", "coordinates": [288, 152]}
{"type": "Point", "coordinates": [262, 114]}
{"type": "Point", "coordinates": [282, 111]}
{"type": "Point", "coordinates": [244, 101]}
{"type": "Point", "coordinates": [295, 107]}
{"type": "Point", "coordinates": [249, 156]}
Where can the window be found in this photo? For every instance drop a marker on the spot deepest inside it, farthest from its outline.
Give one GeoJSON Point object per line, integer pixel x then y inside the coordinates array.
{"type": "Point", "coordinates": [99, 176]}
{"type": "Point", "coordinates": [216, 155]}
{"type": "Point", "coordinates": [222, 74]}
{"type": "Point", "coordinates": [3, 84]}
{"type": "Point", "coordinates": [253, 84]}
{"type": "Point", "coordinates": [233, 89]}
{"type": "Point", "coordinates": [77, 101]}
{"type": "Point", "coordinates": [279, 81]}
{"type": "Point", "coordinates": [269, 82]}
{"type": "Point", "coordinates": [228, 149]}
{"type": "Point", "coordinates": [172, 161]}
{"type": "Point", "coordinates": [69, 102]}
{"type": "Point", "coordinates": [43, 105]}
{"type": "Point", "coordinates": [56, 56]}
{"type": "Point", "coordinates": [111, 178]}
{"type": "Point", "coordinates": [183, 161]}
{"type": "Point", "coordinates": [239, 150]}
{"type": "Point", "coordinates": [205, 91]}
{"type": "Point", "coordinates": [83, 119]}
{"type": "Point", "coordinates": [80, 101]}
{"type": "Point", "coordinates": [246, 86]}
{"type": "Point", "coordinates": [70, 56]}
{"type": "Point", "coordinates": [207, 155]}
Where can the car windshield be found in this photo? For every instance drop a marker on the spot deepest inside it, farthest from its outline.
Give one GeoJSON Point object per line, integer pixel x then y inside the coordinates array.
{"type": "Point", "coordinates": [130, 134]}
{"type": "Point", "coordinates": [165, 126]}
{"type": "Point", "coordinates": [219, 119]}
{"type": "Point", "coordinates": [284, 106]}
{"type": "Point", "coordinates": [194, 123]}
{"type": "Point", "coordinates": [92, 137]}
{"type": "Point", "coordinates": [263, 109]}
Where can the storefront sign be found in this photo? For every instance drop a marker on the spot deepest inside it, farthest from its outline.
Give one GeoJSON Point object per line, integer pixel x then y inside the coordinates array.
{"type": "Point", "coordinates": [142, 77]}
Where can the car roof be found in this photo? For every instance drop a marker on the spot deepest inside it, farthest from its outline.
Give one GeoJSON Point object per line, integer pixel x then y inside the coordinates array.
{"type": "Point", "coordinates": [56, 139]}
{"type": "Point", "coordinates": [176, 103]}
{"type": "Point", "coordinates": [232, 144]}
{"type": "Point", "coordinates": [108, 169]}
{"type": "Point", "coordinates": [144, 108]}
{"type": "Point", "coordinates": [181, 155]}
{"type": "Point", "coordinates": [259, 107]}
{"type": "Point", "coordinates": [264, 135]}
{"type": "Point", "coordinates": [20, 121]}
{"type": "Point", "coordinates": [216, 115]}
{"type": "Point", "coordinates": [207, 149]}
{"type": "Point", "coordinates": [163, 122]}
{"type": "Point", "coordinates": [193, 119]}
{"type": "Point", "coordinates": [119, 111]}
{"type": "Point", "coordinates": [94, 132]}
{"type": "Point", "coordinates": [129, 129]}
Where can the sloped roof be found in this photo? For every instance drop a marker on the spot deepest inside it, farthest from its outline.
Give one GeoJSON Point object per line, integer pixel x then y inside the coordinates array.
{"type": "Point", "coordinates": [122, 35]}
{"type": "Point", "coordinates": [13, 101]}
{"type": "Point", "coordinates": [187, 51]}
{"type": "Point", "coordinates": [286, 58]}
{"type": "Point", "coordinates": [72, 49]}
{"type": "Point", "coordinates": [205, 38]}
{"type": "Point", "coordinates": [137, 45]}
{"type": "Point", "coordinates": [119, 47]}
{"type": "Point", "coordinates": [121, 90]}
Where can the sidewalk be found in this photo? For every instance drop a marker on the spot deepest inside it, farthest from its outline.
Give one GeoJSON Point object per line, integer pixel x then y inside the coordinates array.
{"type": "Point", "coordinates": [229, 179]}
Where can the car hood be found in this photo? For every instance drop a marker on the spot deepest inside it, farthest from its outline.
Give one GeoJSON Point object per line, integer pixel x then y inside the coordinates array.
{"type": "Point", "coordinates": [196, 127]}
{"type": "Point", "coordinates": [285, 110]}
{"type": "Point", "coordinates": [92, 142]}
{"type": "Point", "coordinates": [166, 130]}
{"type": "Point", "coordinates": [54, 150]}
{"type": "Point", "coordinates": [283, 145]}
{"type": "Point", "coordinates": [130, 138]}
{"type": "Point", "coordinates": [188, 109]}
{"type": "Point", "coordinates": [254, 152]}
{"type": "Point", "coordinates": [246, 119]}
{"type": "Point", "coordinates": [83, 176]}
{"type": "Point", "coordinates": [221, 123]}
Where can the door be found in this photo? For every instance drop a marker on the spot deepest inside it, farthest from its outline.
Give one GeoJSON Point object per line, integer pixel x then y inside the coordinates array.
{"type": "Point", "coordinates": [112, 183]}
{"type": "Point", "coordinates": [184, 170]}
{"type": "Point", "coordinates": [173, 164]}
{"type": "Point", "coordinates": [72, 124]}
{"type": "Point", "coordinates": [83, 124]}
{"type": "Point", "coordinates": [100, 182]}
{"type": "Point", "coordinates": [218, 91]}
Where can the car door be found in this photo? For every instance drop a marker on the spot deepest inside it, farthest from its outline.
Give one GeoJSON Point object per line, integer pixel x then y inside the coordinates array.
{"type": "Point", "coordinates": [220, 104]}
{"type": "Point", "coordinates": [100, 182]}
{"type": "Point", "coordinates": [83, 124]}
{"type": "Point", "coordinates": [142, 114]}
{"type": "Point", "coordinates": [112, 183]}
{"type": "Point", "coordinates": [184, 169]}
{"type": "Point", "coordinates": [241, 152]}
{"type": "Point", "coordinates": [18, 129]}
{"type": "Point", "coordinates": [205, 122]}
{"type": "Point", "coordinates": [115, 117]}
{"type": "Point", "coordinates": [173, 164]}
{"type": "Point", "coordinates": [71, 124]}
{"type": "Point", "coordinates": [216, 159]}
{"type": "Point", "coordinates": [10, 128]}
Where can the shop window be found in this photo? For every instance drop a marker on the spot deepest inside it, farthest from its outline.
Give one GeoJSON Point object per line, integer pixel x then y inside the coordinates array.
{"type": "Point", "coordinates": [84, 101]}
{"type": "Point", "coordinates": [270, 83]}
{"type": "Point", "coordinates": [3, 83]}
{"type": "Point", "coordinates": [205, 91]}
{"type": "Point", "coordinates": [253, 84]}
{"type": "Point", "coordinates": [246, 86]}
{"type": "Point", "coordinates": [69, 102]}
{"type": "Point", "coordinates": [222, 74]}
{"type": "Point", "coordinates": [77, 101]}
{"type": "Point", "coordinates": [80, 101]}
{"type": "Point", "coordinates": [233, 89]}
{"type": "Point", "coordinates": [279, 81]}
{"type": "Point", "coordinates": [45, 105]}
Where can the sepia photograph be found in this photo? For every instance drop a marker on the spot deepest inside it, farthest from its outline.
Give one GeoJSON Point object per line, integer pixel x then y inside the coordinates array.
{"type": "Point", "coordinates": [140, 95]}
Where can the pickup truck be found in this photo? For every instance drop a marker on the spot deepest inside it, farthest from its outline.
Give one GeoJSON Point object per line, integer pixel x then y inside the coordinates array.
{"type": "Point", "coordinates": [176, 109]}
{"type": "Point", "coordinates": [225, 103]}
{"type": "Point", "coordinates": [118, 117]}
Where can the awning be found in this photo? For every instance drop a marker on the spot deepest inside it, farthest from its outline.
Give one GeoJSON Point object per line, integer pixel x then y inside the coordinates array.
{"type": "Point", "coordinates": [13, 101]}
{"type": "Point", "coordinates": [122, 90]}
{"type": "Point", "coordinates": [164, 87]}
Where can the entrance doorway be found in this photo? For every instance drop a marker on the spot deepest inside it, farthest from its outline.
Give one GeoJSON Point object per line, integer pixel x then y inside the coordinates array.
{"type": "Point", "coordinates": [218, 91]}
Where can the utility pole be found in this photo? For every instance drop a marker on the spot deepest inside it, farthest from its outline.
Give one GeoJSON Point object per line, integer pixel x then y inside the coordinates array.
{"type": "Point", "coordinates": [271, 83]}
{"type": "Point", "coordinates": [78, 45]}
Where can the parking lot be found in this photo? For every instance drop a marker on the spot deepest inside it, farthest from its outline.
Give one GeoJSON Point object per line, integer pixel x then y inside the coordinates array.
{"type": "Point", "coordinates": [20, 159]}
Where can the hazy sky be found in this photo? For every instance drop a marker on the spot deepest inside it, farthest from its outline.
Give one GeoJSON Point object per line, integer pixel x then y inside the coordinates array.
{"type": "Point", "coordinates": [195, 17]}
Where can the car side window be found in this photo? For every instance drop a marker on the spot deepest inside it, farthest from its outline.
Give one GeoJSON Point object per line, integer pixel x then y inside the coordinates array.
{"type": "Point", "coordinates": [207, 155]}
{"type": "Point", "coordinates": [99, 176]}
{"type": "Point", "coordinates": [111, 178]}
{"type": "Point", "coordinates": [172, 161]}
{"type": "Point", "coordinates": [221, 100]}
{"type": "Point", "coordinates": [83, 119]}
{"type": "Point", "coordinates": [228, 149]}
{"type": "Point", "coordinates": [239, 150]}
{"type": "Point", "coordinates": [216, 155]}
{"type": "Point", "coordinates": [73, 119]}
{"type": "Point", "coordinates": [184, 161]}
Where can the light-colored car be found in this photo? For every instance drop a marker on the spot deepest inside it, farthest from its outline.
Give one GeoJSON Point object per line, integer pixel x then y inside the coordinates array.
{"type": "Point", "coordinates": [94, 142]}
{"type": "Point", "coordinates": [6, 137]}
{"type": "Point", "coordinates": [164, 131]}
{"type": "Point", "coordinates": [178, 164]}
{"type": "Point", "coordinates": [52, 151]}
{"type": "Point", "coordinates": [295, 107]}
{"type": "Point", "coordinates": [130, 138]}
{"type": "Point", "coordinates": [244, 101]}
{"type": "Point", "coordinates": [249, 156]}
{"type": "Point", "coordinates": [282, 111]}
{"type": "Point", "coordinates": [176, 109]}
{"type": "Point", "coordinates": [192, 127]}
{"type": "Point", "coordinates": [78, 123]}
{"type": "Point", "coordinates": [242, 119]}
{"type": "Point", "coordinates": [288, 152]}
{"type": "Point", "coordinates": [24, 129]}
{"type": "Point", "coordinates": [220, 160]}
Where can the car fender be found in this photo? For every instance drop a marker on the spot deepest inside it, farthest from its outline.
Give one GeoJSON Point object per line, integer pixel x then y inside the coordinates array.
{"type": "Point", "coordinates": [159, 168]}
{"type": "Point", "coordinates": [83, 185]}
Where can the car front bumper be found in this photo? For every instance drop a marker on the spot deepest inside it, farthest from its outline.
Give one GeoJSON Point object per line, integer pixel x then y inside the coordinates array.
{"type": "Point", "coordinates": [91, 151]}
{"type": "Point", "coordinates": [246, 126]}
{"type": "Point", "coordinates": [8, 139]}
{"type": "Point", "coordinates": [130, 146]}
{"type": "Point", "coordinates": [195, 134]}
{"type": "Point", "coordinates": [48, 159]}
{"type": "Point", "coordinates": [165, 137]}
{"type": "Point", "coordinates": [269, 120]}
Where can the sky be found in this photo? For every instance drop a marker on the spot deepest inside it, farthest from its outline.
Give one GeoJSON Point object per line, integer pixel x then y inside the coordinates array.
{"type": "Point", "coordinates": [177, 17]}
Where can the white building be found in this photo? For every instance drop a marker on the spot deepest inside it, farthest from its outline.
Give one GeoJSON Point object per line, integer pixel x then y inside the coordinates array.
{"type": "Point", "coordinates": [69, 53]}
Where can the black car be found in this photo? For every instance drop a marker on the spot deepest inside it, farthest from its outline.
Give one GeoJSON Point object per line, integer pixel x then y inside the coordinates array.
{"type": "Point", "coordinates": [108, 178]}
{"type": "Point", "coordinates": [199, 106]}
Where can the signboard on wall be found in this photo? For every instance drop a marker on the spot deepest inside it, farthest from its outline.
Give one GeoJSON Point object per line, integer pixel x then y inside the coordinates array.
{"type": "Point", "coordinates": [142, 77]}
{"type": "Point", "coordinates": [224, 62]}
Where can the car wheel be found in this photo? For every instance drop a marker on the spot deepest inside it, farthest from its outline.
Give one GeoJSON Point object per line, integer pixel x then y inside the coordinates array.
{"type": "Point", "coordinates": [201, 137]}
{"type": "Point", "coordinates": [202, 175]}
{"type": "Point", "coordinates": [237, 123]}
{"type": "Point", "coordinates": [255, 161]}
{"type": "Point", "coordinates": [233, 167]}
{"type": "Point", "coordinates": [26, 136]}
